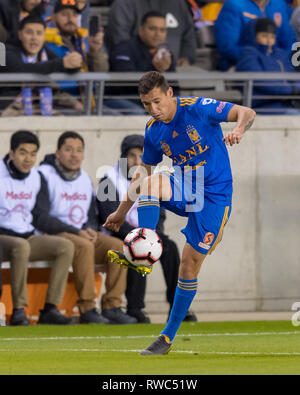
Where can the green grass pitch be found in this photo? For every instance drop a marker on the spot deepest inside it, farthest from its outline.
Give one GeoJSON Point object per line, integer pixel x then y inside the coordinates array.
{"type": "Point", "coordinates": [263, 347]}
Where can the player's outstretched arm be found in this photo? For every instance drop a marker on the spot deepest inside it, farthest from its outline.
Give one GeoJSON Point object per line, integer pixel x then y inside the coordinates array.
{"type": "Point", "coordinates": [115, 220]}
{"type": "Point", "coordinates": [244, 117]}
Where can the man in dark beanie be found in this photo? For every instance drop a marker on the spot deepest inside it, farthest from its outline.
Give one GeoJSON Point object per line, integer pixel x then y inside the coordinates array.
{"type": "Point", "coordinates": [263, 55]}
{"type": "Point", "coordinates": [131, 141]}
{"type": "Point", "coordinates": [116, 181]}
{"type": "Point", "coordinates": [265, 31]}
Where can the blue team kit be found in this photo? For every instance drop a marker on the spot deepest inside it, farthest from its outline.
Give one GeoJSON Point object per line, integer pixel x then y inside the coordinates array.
{"type": "Point", "coordinates": [201, 181]}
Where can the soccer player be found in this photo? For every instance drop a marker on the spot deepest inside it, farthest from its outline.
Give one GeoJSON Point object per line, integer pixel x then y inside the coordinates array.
{"type": "Point", "coordinates": [188, 131]}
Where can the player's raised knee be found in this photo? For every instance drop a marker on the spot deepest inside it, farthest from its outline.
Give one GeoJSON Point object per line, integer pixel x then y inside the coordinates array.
{"type": "Point", "coordinates": [156, 185]}
{"type": "Point", "coordinates": [150, 185]}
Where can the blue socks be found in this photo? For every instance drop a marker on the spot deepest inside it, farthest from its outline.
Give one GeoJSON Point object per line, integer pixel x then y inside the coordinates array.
{"type": "Point", "coordinates": [148, 211]}
{"type": "Point", "coordinates": [184, 295]}
{"type": "Point", "coordinates": [148, 215]}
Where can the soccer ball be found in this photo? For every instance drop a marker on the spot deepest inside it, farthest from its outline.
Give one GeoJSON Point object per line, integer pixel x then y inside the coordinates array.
{"type": "Point", "coordinates": [142, 247]}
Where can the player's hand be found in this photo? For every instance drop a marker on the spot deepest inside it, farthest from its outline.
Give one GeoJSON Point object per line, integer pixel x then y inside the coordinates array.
{"type": "Point", "coordinates": [114, 222]}
{"type": "Point", "coordinates": [234, 137]}
{"type": "Point", "coordinates": [72, 60]}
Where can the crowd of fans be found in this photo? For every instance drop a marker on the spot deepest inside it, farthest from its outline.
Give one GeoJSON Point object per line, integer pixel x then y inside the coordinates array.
{"type": "Point", "coordinates": [46, 36]}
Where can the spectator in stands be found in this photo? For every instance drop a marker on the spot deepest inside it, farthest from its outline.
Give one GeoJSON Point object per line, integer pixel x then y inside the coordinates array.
{"type": "Point", "coordinates": [265, 56]}
{"type": "Point", "coordinates": [234, 16]}
{"type": "Point", "coordinates": [295, 22]}
{"type": "Point", "coordinates": [12, 12]}
{"type": "Point", "coordinates": [21, 189]}
{"type": "Point", "coordinates": [82, 5]}
{"type": "Point", "coordinates": [30, 54]}
{"type": "Point", "coordinates": [125, 19]}
{"type": "Point", "coordinates": [116, 182]}
{"type": "Point", "coordinates": [71, 201]}
{"type": "Point", "coordinates": [148, 50]}
{"type": "Point", "coordinates": [145, 52]}
{"type": "Point", "coordinates": [63, 35]}
{"type": "Point", "coordinates": [204, 13]}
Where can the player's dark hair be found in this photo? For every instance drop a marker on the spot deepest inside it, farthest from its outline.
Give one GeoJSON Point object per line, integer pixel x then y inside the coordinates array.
{"type": "Point", "coordinates": [151, 80]}
{"type": "Point", "coordinates": [23, 137]}
{"type": "Point", "coordinates": [31, 18]}
{"type": "Point", "coordinates": [151, 14]}
{"type": "Point", "coordinates": [68, 135]}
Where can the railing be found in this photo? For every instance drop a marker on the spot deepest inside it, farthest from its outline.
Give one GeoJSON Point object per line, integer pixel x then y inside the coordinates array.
{"type": "Point", "coordinates": [95, 83]}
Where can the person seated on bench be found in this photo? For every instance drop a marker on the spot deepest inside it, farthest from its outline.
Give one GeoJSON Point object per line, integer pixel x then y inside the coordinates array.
{"type": "Point", "coordinates": [21, 188]}
{"type": "Point", "coordinates": [70, 199]}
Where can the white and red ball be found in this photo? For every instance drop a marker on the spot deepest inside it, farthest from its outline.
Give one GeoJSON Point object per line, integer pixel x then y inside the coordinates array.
{"type": "Point", "coordinates": [142, 247]}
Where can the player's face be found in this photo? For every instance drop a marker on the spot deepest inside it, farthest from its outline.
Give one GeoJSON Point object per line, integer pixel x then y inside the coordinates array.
{"type": "Point", "coordinates": [134, 157]}
{"type": "Point", "coordinates": [160, 105]}
{"type": "Point", "coordinates": [153, 32]}
{"type": "Point", "coordinates": [32, 38]}
{"type": "Point", "coordinates": [71, 154]}
{"type": "Point", "coordinates": [24, 157]}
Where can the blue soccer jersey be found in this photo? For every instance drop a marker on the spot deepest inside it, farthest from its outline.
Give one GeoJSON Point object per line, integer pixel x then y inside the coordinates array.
{"type": "Point", "coordinates": [194, 138]}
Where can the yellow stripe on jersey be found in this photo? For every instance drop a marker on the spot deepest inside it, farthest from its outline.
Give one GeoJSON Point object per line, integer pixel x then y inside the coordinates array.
{"type": "Point", "coordinates": [188, 99]}
{"type": "Point", "coordinates": [150, 123]}
{"type": "Point", "coordinates": [188, 102]}
{"type": "Point", "coordinates": [219, 237]}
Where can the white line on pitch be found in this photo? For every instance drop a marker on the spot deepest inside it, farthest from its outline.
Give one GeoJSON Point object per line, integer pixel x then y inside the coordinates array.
{"type": "Point", "coordinates": [249, 353]}
{"type": "Point", "coordinates": [149, 336]}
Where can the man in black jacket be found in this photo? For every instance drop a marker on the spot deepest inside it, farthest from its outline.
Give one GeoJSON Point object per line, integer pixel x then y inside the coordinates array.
{"type": "Point", "coordinates": [131, 154]}
{"type": "Point", "coordinates": [125, 17]}
{"type": "Point", "coordinates": [30, 55]}
{"type": "Point", "coordinates": [70, 200]}
{"type": "Point", "coordinates": [21, 188]}
{"type": "Point", "coordinates": [146, 51]}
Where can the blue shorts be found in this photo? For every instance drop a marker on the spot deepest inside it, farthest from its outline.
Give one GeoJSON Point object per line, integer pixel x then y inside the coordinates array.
{"type": "Point", "coordinates": [206, 222]}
